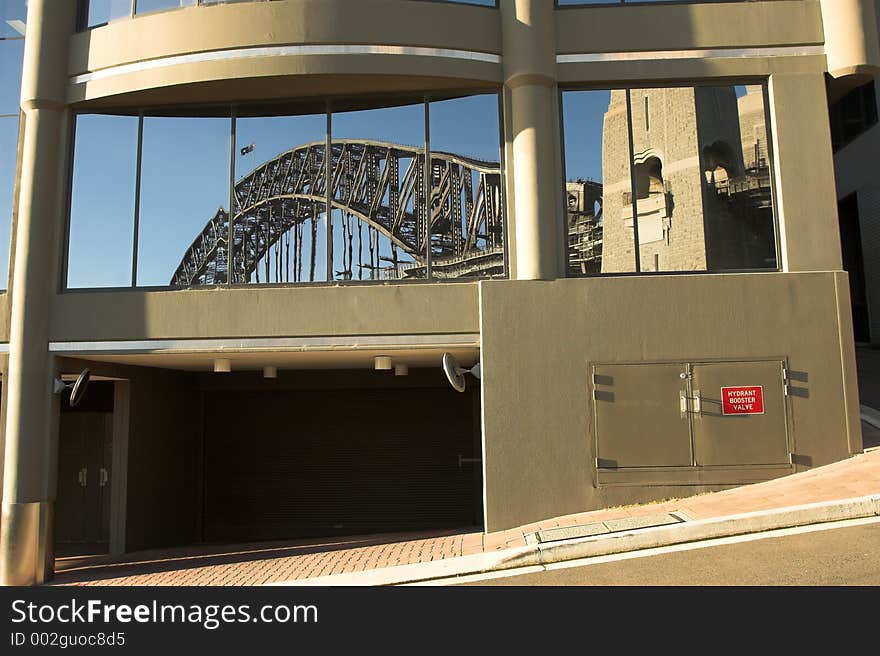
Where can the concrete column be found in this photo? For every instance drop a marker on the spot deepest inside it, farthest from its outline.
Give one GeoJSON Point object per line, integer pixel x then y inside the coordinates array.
{"type": "Point", "coordinates": [532, 140]}
{"type": "Point", "coordinates": [851, 37]}
{"type": "Point", "coordinates": [806, 202]}
{"type": "Point", "coordinates": [30, 454]}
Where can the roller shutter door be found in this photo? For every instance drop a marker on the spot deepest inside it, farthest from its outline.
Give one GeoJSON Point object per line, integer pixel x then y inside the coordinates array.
{"type": "Point", "coordinates": [337, 462]}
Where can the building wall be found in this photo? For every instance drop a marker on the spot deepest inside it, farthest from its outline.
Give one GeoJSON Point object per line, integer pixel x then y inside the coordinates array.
{"type": "Point", "coordinates": [537, 413]}
{"type": "Point", "coordinates": [857, 170]}
{"type": "Point", "coordinates": [399, 309]}
{"type": "Point", "coordinates": [537, 337]}
{"type": "Point", "coordinates": [869, 223]}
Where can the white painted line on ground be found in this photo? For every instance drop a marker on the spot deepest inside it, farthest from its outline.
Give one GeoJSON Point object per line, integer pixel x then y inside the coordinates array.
{"type": "Point", "coordinates": [646, 553]}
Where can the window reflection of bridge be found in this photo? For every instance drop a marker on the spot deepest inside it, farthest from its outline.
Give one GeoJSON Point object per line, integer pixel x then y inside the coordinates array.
{"type": "Point", "coordinates": [376, 194]}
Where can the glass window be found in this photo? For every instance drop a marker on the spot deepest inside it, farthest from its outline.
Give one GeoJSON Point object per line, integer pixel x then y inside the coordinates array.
{"type": "Point", "coordinates": [853, 114]}
{"type": "Point", "coordinates": [467, 225]}
{"type": "Point", "coordinates": [146, 6]}
{"type": "Point", "coordinates": [378, 228]}
{"type": "Point", "coordinates": [176, 217]}
{"type": "Point", "coordinates": [12, 28]}
{"type": "Point", "coordinates": [11, 54]}
{"type": "Point", "coordinates": [12, 18]}
{"type": "Point", "coordinates": [576, 3]}
{"type": "Point", "coordinates": [598, 189]}
{"type": "Point", "coordinates": [184, 201]}
{"type": "Point", "coordinates": [280, 199]}
{"type": "Point", "coordinates": [482, 3]}
{"type": "Point", "coordinates": [700, 196]}
{"type": "Point", "coordinates": [668, 198]}
{"type": "Point", "coordinates": [221, 2]}
{"type": "Point", "coordinates": [8, 152]}
{"type": "Point", "coordinates": [102, 201]}
{"type": "Point", "coordinates": [703, 180]}
{"type": "Point", "coordinates": [99, 12]}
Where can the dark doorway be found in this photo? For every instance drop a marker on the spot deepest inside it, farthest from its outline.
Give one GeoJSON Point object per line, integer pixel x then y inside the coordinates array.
{"type": "Point", "coordinates": [82, 506]}
{"type": "Point", "coordinates": [306, 463]}
{"type": "Point", "coordinates": [853, 263]}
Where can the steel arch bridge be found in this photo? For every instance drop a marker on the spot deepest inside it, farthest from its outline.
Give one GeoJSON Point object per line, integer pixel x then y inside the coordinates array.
{"type": "Point", "coordinates": [375, 183]}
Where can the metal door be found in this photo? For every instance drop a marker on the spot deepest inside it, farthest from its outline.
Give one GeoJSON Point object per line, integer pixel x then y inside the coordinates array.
{"type": "Point", "coordinates": [638, 414]}
{"type": "Point", "coordinates": [70, 502]}
{"type": "Point", "coordinates": [82, 509]}
{"type": "Point", "coordinates": [739, 439]}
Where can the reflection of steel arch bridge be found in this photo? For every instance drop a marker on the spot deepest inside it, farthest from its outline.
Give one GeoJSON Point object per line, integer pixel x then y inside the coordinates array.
{"type": "Point", "coordinates": [379, 184]}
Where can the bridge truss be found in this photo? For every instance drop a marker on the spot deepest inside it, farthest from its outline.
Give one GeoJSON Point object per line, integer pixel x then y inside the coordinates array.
{"type": "Point", "coordinates": [377, 190]}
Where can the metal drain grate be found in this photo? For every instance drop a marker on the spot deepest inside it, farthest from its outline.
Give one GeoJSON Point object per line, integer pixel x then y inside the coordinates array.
{"type": "Point", "coordinates": [610, 526]}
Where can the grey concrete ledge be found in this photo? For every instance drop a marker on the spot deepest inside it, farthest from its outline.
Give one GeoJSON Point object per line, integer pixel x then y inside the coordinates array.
{"type": "Point", "coordinates": [537, 555]}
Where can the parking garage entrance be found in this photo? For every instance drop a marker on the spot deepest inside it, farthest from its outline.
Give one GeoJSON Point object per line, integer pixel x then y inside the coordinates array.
{"type": "Point", "coordinates": [287, 463]}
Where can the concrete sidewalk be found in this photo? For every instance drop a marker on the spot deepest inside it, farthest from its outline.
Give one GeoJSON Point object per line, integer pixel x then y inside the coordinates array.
{"type": "Point", "coordinates": [838, 491]}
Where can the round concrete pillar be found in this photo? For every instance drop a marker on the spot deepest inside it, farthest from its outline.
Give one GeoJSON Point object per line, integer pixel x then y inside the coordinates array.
{"type": "Point", "coordinates": [532, 139]}
{"type": "Point", "coordinates": [29, 466]}
{"type": "Point", "coordinates": [851, 38]}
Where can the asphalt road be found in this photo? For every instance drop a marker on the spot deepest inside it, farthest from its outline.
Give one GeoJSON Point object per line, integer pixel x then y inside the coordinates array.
{"type": "Point", "coordinates": [841, 556]}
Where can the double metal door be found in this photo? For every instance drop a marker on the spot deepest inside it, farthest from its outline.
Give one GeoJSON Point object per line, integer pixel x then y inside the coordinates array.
{"type": "Point", "coordinates": [82, 507]}
{"type": "Point", "coordinates": [674, 414]}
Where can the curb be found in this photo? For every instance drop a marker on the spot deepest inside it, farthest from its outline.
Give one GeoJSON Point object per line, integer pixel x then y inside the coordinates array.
{"type": "Point", "coordinates": [603, 545]}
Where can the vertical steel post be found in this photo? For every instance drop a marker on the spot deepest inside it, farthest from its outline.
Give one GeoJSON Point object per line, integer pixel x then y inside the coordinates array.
{"type": "Point", "coordinates": [505, 229]}
{"type": "Point", "coordinates": [230, 233]}
{"type": "Point", "coordinates": [137, 200]}
{"type": "Point", "coordinates": [632, 181]}
{"type": "Point", "coordinates": [428, 195]}
{"type": "Point", "coordinates": [328, 188]}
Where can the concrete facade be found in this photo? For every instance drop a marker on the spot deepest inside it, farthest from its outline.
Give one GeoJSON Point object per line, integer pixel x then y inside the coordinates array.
{"type": "Point", "coordinates": [856, 170]}
{"type": "Point", "coordinates": [537, 335]}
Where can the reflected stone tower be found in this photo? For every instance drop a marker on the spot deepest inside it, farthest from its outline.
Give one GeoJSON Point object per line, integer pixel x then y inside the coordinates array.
{"type": "Point", "coordinates": [699, 201]}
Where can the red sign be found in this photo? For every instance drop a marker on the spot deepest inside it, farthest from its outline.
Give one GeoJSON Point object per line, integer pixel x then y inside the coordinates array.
{"type": "Point", "coordinates": [742, 400]}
